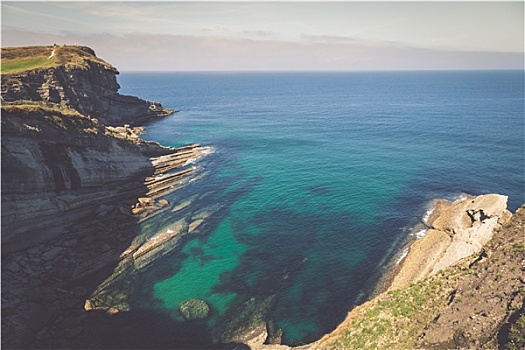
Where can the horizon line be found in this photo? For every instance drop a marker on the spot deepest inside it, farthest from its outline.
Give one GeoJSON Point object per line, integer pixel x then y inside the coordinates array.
{"type": "Point", "coordinates": [323, 70]}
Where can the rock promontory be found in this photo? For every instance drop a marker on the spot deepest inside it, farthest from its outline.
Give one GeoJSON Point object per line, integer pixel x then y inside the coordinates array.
{"type": "Point", "coordinates": [457, 231]}
{"type": "Point", "coordinates": [77, 182]}
{"type": "Point", "coordinates": [75, 77]}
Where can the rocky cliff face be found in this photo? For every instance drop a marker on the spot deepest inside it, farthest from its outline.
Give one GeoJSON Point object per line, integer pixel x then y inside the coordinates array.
{"type": "Point", "coordinates": [83, 82]}
{"type": "Point", "coordinates": [57, 167]}
{"type": "Point", "coordinates": [58, 157]}
{"type": "Point", "coordinates": [74, 190]}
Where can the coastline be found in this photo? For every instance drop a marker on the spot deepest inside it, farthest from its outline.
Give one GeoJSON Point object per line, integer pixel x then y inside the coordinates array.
{"type": "Point", "coordinates": [479, 216]}
{"type": "Point", "coordinates": [74, 200]}
{"type": "Point", "coordinates": [464, 305]}
{"type": "Point", "coordinates": [395, 264]}
{"type": "Point", "coordinates": [55, 255]}
{"type": "Point", "coordinates": [417, 258]}
{"type": "Point", "coordinates": [456, 230]}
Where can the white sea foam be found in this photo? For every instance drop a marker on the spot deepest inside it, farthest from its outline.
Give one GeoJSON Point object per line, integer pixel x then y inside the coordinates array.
{"type": "Point", "coordinates": [458, 197]}
{"type": "Point", "coordinates": [207, 150]}
{"type": "Point", "coordinates": [190, 161]}
{"type": "Point", "coordinates": [427, 214]}
{"type": "Point", "coordinates": [420, 234]}
{"type": "Point", "coordinates": [402, 256]}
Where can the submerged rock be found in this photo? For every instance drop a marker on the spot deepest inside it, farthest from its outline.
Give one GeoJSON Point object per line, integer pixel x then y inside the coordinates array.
{"type": "Point", "coordinates": [194, 309]}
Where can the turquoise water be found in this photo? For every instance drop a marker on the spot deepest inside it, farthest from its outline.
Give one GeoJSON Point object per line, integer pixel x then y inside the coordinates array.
{"type": "Point", "coordinates": [320, 177]}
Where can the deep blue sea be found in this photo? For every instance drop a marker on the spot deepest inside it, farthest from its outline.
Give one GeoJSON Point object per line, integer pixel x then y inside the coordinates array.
{"type": "Point", "coordinates": [320, 179]}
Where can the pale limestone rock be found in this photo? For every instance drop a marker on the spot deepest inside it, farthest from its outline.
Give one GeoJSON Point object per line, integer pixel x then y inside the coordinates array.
{"type": "Point", "coordinates": [456, 217]}
{"type": "Point", "coordinates": [459, 230]}
{"type": "Point", "coordinates": [194, 225]}
{"type": "Point", "coordinates": [88, 305]}
{"type": "Point", "coordinates": [423, 255]}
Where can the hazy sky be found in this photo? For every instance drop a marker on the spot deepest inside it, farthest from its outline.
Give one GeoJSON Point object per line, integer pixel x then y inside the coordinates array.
{"type": "Point", "coordinates": [278, 35]}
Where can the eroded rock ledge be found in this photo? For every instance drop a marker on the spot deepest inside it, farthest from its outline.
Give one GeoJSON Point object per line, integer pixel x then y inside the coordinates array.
{"type": "Point", "coordinates": [458, 230]}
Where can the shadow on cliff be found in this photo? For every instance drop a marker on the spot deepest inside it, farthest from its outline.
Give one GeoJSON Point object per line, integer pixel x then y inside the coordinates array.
{"type": "Point", "coordinates": [146, 329]}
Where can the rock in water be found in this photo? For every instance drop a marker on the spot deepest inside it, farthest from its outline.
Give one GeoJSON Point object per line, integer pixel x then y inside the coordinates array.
{"type": "Point", "coordinates": [194, 309]}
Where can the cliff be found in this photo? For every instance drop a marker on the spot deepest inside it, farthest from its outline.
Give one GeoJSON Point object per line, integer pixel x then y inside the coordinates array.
{"type": "Point", "coordinates": [75, 77]}
{"type": "Point", "coordinates": [74, 188]}
{"type": "Point", "coordinates": [59, 159]}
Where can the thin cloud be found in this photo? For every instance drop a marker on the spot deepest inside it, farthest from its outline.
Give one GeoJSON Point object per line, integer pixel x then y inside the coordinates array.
{"type": "Point", "coordinates": [144, 51]}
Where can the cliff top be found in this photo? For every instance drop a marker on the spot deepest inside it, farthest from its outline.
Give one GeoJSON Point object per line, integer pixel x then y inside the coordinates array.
{"type": "Point", "coordinates": [20, 59]}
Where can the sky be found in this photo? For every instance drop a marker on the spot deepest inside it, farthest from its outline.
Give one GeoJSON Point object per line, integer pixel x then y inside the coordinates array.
{"type": "Point", "coordinates": [277, 36]}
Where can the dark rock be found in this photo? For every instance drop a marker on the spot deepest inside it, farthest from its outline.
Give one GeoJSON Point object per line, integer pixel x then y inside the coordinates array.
{"type": "Point", "coordinates": [72, 332]}
{"type": "Point", "coordinates": [12, 266]}
{"type": "Point", "coordinates": [80, 292]}
{"type": "Point", "coordinates": [71, 243]}
{"type": "Point", "coordinates": [105, 247]}
{"type": "Point", "coordinates": [52, 253]}
{"type": "Point", "coordinates": [36, 315]}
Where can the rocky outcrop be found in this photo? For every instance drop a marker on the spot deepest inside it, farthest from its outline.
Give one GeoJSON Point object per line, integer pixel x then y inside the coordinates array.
{"type": "Point", "coordinates": [74, 193]}
{"type": "Point", "coordinates": [458, 231]}
{"type": "Point", "coordinates": [58, 168]}
{"type": "Point", "coordinates": [81, 81]}
{"type": "Point", "coordinates": [488, 299]}
{"type": "Point", "coordinates": [194, 309]}
{"type": "Point", "coordinates": [477, 302]}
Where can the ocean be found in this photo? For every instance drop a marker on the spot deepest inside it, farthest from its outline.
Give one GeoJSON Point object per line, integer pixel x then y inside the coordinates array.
{"type": "Point", "coordinates": [317, 180]}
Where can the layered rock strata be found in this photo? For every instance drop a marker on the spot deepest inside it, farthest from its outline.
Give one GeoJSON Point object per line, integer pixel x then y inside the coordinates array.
{"type": "Point", "coordinates": [57, 169]}
{"type": "Point", "coordinates": [74, 193]}
{"type": "Point", "coordinates": [80, 80]}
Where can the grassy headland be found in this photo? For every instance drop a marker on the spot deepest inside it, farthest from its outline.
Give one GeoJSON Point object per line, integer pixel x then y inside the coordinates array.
{"type": "Point", "coordinates": [20, 59]}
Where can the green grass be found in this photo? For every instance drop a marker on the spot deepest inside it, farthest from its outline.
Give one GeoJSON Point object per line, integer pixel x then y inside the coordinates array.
{"type": "Point", "coordinates": [17, 65]}
{"type": "Point", "coordinates": [20, 116]}
{"type": "Point", "coordinates": [397, 319]}
{"type": "Point", "coordinates": [517, 334]}
{"type": "Point", "coordinates": [519, 247]}
{"type": "Point", "coordinates": [32, 106]}
{"type": "Point", "coordinates": [19, 59]}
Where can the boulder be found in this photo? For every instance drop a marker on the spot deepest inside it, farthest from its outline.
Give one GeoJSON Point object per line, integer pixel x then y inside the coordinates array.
{"type": "Point", "coordinates": [146, 201]}
{"type": "Point", "coordinates": [12, 266]}
{"type": "Point", "coordinates": [464, 214]}
{"type": "Point", "coordinates": [164, 202]}
{"type": "Point", "coordinates": [194, 309]}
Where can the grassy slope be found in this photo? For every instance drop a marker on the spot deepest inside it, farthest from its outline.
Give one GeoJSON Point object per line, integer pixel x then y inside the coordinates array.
{"type": "Point", "coordinates": [398, 318]}
{"type": "Point", "coordinates": [19, 59]}
{"type": "Point", "coordinates": [393, 320]}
